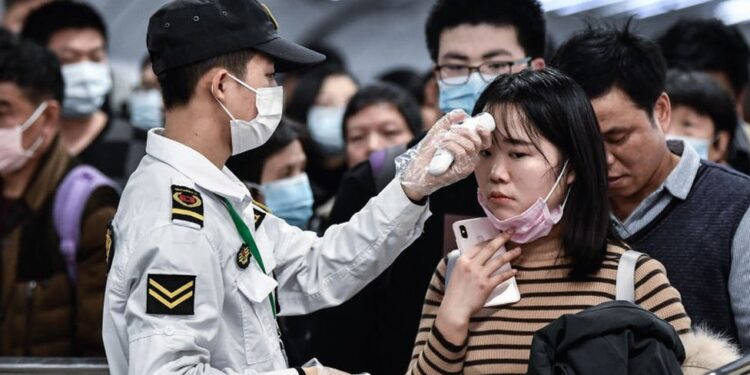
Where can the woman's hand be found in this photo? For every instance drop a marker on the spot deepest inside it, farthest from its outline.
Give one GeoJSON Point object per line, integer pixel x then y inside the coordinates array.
{"type": "Point", "coordinates": [471, 282]}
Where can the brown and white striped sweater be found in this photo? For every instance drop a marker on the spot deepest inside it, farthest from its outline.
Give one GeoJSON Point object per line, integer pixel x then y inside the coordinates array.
{"type": "Point", "coordinates": [499, 338]}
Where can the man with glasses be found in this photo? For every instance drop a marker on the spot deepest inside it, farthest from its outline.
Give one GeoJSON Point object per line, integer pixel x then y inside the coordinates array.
{"type": "Point", "coordinates": [470, 43]}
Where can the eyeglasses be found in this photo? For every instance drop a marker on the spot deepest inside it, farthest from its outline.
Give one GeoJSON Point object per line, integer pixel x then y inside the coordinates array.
{"type": "Point", "coordinates": [456, 74]}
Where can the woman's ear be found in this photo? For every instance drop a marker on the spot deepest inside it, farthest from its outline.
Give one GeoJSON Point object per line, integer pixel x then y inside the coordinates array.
{"type": "Point", "coordinates": [570, 176]}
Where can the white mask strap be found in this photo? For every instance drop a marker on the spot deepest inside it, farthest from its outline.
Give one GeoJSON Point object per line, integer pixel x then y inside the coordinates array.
{"type": "Point", "coordinates": [559, 178]}
{"type": "Point", "coordinates": [221, 104]}
{"type": "Point", "coordinates": [243, 84]}
{"type": "Point", "coordinates": [34, 116]}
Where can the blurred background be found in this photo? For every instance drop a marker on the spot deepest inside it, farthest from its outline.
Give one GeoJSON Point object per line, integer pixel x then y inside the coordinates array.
{"type": "Point", "coordinates": [375, 35]}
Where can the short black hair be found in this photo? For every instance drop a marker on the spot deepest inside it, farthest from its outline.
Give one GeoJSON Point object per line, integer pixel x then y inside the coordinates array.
{"type": "Point", "coordinates": [407, 78]}
{"type": "Point", "coordinates": [551, 105]}
{"type": "Point", "coordinates": [526, 16]}
{"type": "Point", "coordinates": [33, 68]}
{"type": "Point", "coordinates": [384, 92]}
{"type": "Point", "coordinates": [702, 93]}
{"type": "Point", "coordinates": [602, 58]}
{"type": "Point", "coordinates": [43, 22]}
{"type": "Point", "coordinates": [708, 45]}
{"type": "Point", "coordinates": [178, 84]}
{"type": "Point", "coordinates": [248, 166]}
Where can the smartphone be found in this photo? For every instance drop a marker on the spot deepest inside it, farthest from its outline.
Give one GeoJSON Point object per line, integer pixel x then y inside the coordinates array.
{"type": "Point", "coordinates": [474, 231]}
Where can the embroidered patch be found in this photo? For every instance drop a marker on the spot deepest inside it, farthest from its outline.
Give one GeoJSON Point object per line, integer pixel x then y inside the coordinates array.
{"type": "Point", "coordinates": [243, 256]}
{"type": "Point", "coordinates": [260, 212]}
{"type": "Point", "coordinates": [187, 205]}
{"type": "Point", "coordinates": [170, 294]}
{"type": "Point", "coordinates": [109, 245]}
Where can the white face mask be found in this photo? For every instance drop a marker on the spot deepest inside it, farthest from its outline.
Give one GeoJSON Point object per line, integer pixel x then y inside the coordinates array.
{"type": "Point", "coordinates": [146, 109]}
{"type": "Point", "coordinates": [12, 154]}
{"type": "Point", "coordinates": [86, 86]}
{"type": "Point", "coordinates": [247, 135]}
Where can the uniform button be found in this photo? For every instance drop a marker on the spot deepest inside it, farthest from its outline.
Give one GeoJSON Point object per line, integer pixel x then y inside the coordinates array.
{"type": "Point", "coordinates": [169, 331]}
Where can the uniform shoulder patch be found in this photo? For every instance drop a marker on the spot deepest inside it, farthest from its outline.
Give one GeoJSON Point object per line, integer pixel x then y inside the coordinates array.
{"type": "Point", "coordinates": [187, 206]}
{"type": "Point", "coordinates": [260, 211]}
{"type": "Point", "coordinates": [109, 245]}
{"type": "Point", "coordinates": [170, 294]}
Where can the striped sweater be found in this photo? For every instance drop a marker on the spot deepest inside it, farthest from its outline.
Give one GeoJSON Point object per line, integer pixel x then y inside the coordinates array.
{"type": "Point", "coordinates": [499, 337]}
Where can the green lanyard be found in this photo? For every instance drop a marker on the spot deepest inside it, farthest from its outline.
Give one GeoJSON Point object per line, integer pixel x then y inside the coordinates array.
{"type": "Point", "coordinates": [247, 238]}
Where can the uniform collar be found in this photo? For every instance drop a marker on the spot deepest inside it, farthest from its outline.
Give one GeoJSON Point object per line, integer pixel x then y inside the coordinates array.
{"type": "Point", "coordinates": [680, 181]}
{"type": "Point", "coordinates": [195, 166]}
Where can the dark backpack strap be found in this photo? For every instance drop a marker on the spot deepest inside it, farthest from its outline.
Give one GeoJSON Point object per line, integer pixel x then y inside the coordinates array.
{"type": "Point", "coordinates": [70, 200]}
{"type": "Point", "coordinates": [383, 165]}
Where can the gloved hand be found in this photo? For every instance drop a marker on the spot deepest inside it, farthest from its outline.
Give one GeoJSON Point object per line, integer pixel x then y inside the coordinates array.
{"type": "Point", "coordinates": [463, 143]}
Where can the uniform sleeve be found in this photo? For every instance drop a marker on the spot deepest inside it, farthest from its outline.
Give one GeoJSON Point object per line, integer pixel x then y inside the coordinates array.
{"type": "Point", "coordinates": [653, 292]}
{"type": "Point", "coordinates": [91, 267]}
{"type": "Point", "coordinates": [175, 291]}
{"type": "Point", "coordinates": [432, 353]}
{"type": "Point", "coordinates": [315, 273]}
{"type": "Point", "coordinates": [739, 279]}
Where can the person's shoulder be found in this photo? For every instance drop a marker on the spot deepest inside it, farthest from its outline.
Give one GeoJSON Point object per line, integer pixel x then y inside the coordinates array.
{"type": "Point", "coordinates": [723, 172]}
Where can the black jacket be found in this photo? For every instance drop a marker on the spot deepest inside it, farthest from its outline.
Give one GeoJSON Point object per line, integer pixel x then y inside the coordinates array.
{"type": "Point", "coordinates": [613, 338]}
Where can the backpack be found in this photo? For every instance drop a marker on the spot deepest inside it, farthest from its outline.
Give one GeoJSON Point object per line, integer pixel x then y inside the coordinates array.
{"type": "Point", "coordinates": [67, 210]}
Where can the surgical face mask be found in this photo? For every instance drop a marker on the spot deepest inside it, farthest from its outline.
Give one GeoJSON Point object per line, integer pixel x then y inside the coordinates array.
{"type": "Point", "coordinates": [86, 86]}
{"type": "Point", "coordinates": [461, 96]}
{"type": "Point", "coordinates": [534, 223]}
{"type": "Point", "coordinates": [247, 135]}
{"type": "Point", "coordinates": [146, 109]}
{"type": "Point", "coordinates": [290, 199]}
{"type": "Point", "coordinates": [700, 145]}
{"type": "Point", "coordinates": [326, 128]}
{"type": "Point", "coordinates": [12, 154]}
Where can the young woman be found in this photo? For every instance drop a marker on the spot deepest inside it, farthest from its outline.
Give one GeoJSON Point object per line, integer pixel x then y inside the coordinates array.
{"type": "Point", "coordinates": [544, 182]}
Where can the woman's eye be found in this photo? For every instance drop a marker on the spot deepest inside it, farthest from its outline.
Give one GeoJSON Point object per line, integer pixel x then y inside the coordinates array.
{"type": "Point", "coordinates": [517, 155]}
{"type": "Point", "coordinates": [485, 153]}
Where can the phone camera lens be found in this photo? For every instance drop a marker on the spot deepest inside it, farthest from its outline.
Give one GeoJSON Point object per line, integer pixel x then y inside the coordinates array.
{"type": "Point", "coordinates": [463, 231]}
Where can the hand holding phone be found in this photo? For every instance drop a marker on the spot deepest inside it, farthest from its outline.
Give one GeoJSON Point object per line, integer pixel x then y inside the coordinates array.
{"type": "Point", "coordinates": [472, 232]}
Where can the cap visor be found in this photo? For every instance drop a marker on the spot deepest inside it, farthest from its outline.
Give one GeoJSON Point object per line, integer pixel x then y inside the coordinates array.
{"type": "Point", "coordinates": [289, 56]}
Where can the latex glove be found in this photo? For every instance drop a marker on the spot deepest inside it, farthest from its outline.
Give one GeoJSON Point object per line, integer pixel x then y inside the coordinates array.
{"type": "Point", "coordinates": [463, 143]}
{"type": "Point", "coordinates": [314, 367]}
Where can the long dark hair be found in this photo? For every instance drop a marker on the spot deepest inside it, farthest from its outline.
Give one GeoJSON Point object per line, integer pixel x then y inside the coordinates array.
{"type": "Point", "coordinates": [553, 106]}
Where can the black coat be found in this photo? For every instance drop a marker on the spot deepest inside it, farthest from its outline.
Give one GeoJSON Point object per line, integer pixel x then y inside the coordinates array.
{"type": "Point", "coordinates": [614, 338]}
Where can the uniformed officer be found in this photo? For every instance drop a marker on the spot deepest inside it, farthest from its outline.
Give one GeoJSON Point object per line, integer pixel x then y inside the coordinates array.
{"type": "Point", "coordinates": [198, 271]}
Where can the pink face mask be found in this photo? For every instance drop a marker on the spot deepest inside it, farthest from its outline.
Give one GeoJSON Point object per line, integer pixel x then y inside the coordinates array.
{"type": "Point", "coordinates": [534, 223]}
{"type": "Point", "coordinates": [12, 154]}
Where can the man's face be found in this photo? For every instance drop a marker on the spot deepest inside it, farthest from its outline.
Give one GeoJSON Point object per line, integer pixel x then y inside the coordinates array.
{"type": "Point", "coordinates": [259, 73]}
{"type": "Point", "coordinates": [634, 141]}
{"type": "Point", "coordinates": [78, 45]}
{"type": "Point", "coordinates": [466, 50]}
{"type": "Point", "coordinates": [474, 45]}
{"type": "Point", "coordinates": [15, 109]}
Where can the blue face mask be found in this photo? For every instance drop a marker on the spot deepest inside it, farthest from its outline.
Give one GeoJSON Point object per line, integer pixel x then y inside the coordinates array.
{"type": "Point", "coordinates": [700, 145]}
{"type": "Point", "coordinates": [461, 96]}
{"type": "Point", "coordinates": [146, 109]}
{"type": "Point", "coordinates": [290, 199]}
{"type": "Point", "coordinates": [326, 129]}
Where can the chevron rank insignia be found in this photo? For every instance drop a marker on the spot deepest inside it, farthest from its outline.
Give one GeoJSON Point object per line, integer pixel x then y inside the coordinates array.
{"type": "Point", "coordinates": [260, 211]}
{"type": "Point", "coordinates": [170, 294]}
{"type": "Point", "coordinates": [187, 206]}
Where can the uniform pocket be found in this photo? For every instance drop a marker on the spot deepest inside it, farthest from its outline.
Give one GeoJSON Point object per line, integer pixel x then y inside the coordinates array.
{"type": "Point", "coordinates": [258, 326]}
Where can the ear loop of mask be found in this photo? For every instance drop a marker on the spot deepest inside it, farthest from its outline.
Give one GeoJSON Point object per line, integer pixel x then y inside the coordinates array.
{"type": "Point", "coordinates": [557, 183]}
{"type": "Point", "coordinates": [243, 84]}
{"type": "Point", "coordinates": [30, 121]}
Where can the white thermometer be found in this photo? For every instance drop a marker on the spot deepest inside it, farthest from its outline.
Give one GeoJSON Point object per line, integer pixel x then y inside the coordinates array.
{"type": "Point", "coordinates": [443, 159]}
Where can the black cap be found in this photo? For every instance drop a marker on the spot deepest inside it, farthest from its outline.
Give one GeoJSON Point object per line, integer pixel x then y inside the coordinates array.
{"type": "Point", "coordinates": [186, 31]}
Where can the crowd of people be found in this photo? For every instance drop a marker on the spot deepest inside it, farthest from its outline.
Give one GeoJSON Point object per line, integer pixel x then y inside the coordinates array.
{"type": "Point", "coordinates": [219, 221]}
